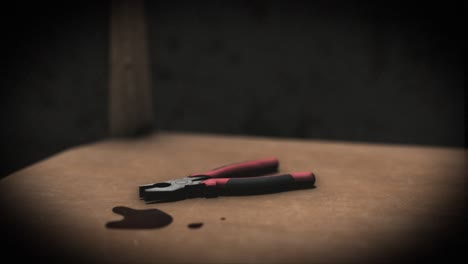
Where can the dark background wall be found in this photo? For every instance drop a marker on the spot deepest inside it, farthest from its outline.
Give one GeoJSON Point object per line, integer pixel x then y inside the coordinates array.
{"type": "Point", "coordinates": [387, 73]}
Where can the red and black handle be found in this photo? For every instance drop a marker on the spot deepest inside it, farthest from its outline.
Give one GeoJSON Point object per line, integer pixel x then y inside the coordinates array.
{"type": "Point", "coordinates": [239, 178]}
{"type": "Point", "coordinates": [284, 180]}
{"type": "Point", "coordinates": [244, 169]}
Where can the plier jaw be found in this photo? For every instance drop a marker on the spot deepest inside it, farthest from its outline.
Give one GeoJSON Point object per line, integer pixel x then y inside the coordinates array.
{"type": "Point", "coordinates": [172, 190]}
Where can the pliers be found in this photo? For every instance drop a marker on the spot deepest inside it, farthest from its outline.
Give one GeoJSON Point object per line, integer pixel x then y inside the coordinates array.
{"type": "Point", "coordinates": [236, 179]}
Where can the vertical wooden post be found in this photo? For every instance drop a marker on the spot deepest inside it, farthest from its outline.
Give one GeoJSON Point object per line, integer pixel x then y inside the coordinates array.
{"type": "Point", "coordinates": [130, 96]}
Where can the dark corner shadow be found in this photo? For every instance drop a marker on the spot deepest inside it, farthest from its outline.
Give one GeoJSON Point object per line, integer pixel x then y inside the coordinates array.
{"type": "Point", "coordinates": [143, 131]}
{"type": "Point", "coordinates": [140, 133]}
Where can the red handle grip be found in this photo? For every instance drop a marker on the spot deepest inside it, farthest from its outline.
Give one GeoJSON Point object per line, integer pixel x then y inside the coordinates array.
{"type": "Point", "coordinates": [244, 169]}
{"type": "Point", "coordinates": [258, 182]}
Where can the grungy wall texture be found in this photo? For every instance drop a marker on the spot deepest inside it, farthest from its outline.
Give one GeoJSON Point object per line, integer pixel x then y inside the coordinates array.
{"type": "Point", "coordinates": [362, 73]}
{"type": "Point", "coordinates": [306, 71]}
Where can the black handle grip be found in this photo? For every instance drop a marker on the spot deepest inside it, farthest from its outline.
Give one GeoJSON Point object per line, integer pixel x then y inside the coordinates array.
{"type": "Point", "coordinates": [279, 181]}
{"type": "Point", "coordinates": [265, 184]}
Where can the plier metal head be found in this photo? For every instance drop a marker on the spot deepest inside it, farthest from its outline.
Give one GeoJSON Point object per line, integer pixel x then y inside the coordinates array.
{"type": "Point", "coordinates": [177, 189]}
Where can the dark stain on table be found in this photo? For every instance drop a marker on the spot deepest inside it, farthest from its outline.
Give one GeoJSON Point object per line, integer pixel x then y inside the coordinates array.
{"type": "Point", "coordinates": [195, 225]}
{"type": "Point", "coordinates": [139, 219]}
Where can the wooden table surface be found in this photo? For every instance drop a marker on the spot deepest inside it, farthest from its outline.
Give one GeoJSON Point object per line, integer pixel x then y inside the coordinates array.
{"type": "Point", "coordinates": [371, 202]}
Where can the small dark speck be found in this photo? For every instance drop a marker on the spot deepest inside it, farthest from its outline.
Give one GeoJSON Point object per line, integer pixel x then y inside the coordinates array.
{"type": "Point", "coordinates": [223, 218]}
{"type": "Point", "coordinates": [195, 225]}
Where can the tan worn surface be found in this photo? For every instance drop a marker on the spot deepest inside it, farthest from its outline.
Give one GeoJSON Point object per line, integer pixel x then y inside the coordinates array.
{"type": "Point", "coordinates": [370, 202]}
